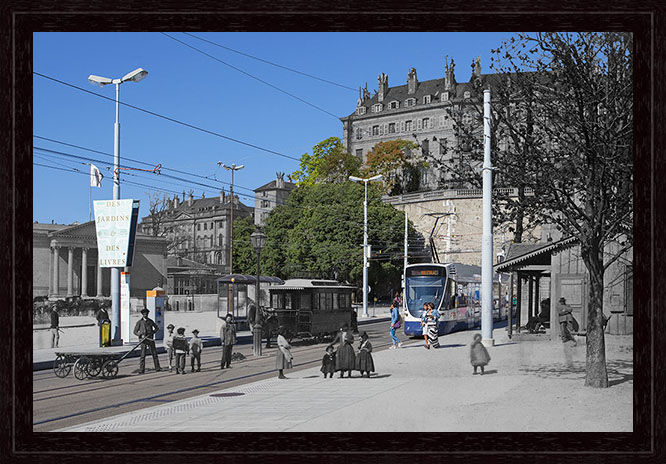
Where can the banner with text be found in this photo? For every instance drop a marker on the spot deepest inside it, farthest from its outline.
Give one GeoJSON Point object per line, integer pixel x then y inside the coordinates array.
{"type": "Point", "coordinates": [115, 224]}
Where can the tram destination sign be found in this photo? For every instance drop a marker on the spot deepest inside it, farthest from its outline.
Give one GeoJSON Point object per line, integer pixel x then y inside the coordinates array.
{"type": "Point", "coordinates": [115, 224]}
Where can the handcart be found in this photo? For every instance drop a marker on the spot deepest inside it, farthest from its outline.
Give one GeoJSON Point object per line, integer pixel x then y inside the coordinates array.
{"type": "Point", "coordinates": [90, 364]}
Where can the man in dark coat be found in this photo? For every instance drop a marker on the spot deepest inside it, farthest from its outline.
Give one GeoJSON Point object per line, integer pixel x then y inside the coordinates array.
{"type": "Point", "coordinates": [145, 329]}
{"type": "Point", "coordinates": [55, 327]}
{"type": "Point", "coordinates": [566, 320]}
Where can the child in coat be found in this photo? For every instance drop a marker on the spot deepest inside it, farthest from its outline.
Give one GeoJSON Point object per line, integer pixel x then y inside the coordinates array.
{"type": "Point", "coordinates": [328, 362]}
{"type": "Point", "coordinates": [196, 347]}
{"type": "Point", "coordinates": [364, 362]}
{"type": "Point", "coordinates": [479, 356]}
{"type": "Point", "coordinates": [181, 348]}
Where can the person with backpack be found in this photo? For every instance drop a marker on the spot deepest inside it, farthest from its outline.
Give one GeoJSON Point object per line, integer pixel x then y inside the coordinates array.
{"type": "Point", "coordinates": [396, 323]}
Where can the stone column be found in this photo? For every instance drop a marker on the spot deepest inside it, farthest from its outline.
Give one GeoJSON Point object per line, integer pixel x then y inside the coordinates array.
{"type": "Point", "coordinates": [52, 249]}
{"type": "Point", "coordinates": [99, 280]}
{"type": "Point", "coordinates": [56, 270]}
{"type": "Point", "coordinates": [84, 272]}
{"type": "Point", "coordinates": [70, 270]}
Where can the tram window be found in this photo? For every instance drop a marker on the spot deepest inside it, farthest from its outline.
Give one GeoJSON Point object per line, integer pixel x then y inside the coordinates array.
{"type": "Point", "coordinates": [329, 301]}
{"type": "Point", "coordinates": [278, 301]}
{"type": "Point", "coordinates": [305, 301]}
{"type": "Point", "coordinates": [335, 300]}
{"type": "Point", "coordinates": [287, 301]}
{"type": "Point", "coordinates": [315, 301]}
{"type": "Point", "coordinates": [342, 303]}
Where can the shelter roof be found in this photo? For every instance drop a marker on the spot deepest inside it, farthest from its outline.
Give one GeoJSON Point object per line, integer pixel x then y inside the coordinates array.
{"type": "Point", "coordinates": [521, 255]}
{"type": "Point", "coordinates": [244, 279]}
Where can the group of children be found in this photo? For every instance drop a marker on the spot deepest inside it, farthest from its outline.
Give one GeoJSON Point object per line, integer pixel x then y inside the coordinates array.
{"type": "Point", "coordinates": [178, 347]}
{"type": "Point", "coordinates": [345, 359]}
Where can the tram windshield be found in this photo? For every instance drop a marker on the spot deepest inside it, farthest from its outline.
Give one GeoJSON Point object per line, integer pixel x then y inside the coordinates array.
{"type": "Point", "coordinates": [421, 289]}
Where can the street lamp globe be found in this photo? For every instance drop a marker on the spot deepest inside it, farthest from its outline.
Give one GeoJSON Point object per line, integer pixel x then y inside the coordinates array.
{"type": "Point", "coordinates": [258, 239]}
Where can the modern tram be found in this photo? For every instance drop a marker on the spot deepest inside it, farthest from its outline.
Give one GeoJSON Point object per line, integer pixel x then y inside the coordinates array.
{"type": "Point", "coordinates": [436, 283]}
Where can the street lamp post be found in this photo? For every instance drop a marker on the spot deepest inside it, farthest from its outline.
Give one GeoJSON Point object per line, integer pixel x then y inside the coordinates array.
{"type": "Point", "coordinates": [365, 239]}
{"type": "Point", "coordinates": [134, 76]}
{"type": "Point", "coordinates": [258, 239]}
{"type": "Point", "coordinates": [233, 168]}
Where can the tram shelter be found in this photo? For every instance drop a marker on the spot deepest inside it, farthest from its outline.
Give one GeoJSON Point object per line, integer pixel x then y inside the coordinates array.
{"type": "Point", "coordinates": [243, 294]}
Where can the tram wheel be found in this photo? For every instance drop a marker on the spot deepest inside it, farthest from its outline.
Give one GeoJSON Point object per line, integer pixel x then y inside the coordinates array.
{"type": "Point", "coordinates": [109, 369]}
{"type": "Point", "coordinates": [95, 367]}
{"type": "Point", "coordinates": [61, 367]}
{"type": "Point", "coordinates": [81, 368]}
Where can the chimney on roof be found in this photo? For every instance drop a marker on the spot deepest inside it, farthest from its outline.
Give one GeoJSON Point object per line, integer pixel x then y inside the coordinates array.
{"type": "Point", "coordinates": [412, 81]}
{"type": "Point", "coordinates": [190, 199]}
{"type": "Point", "coordinates": [222, 196]}
{"type": "Point", "coordinates": [175, 201]}
{"type": "Point", "coordinates": [183, 196]}
{"type": "Point", "coordinates": [52, 221]}
{"type": "Point", "coordinates": [476, 67]}
{"type": "Point", "coordinates": [203, 194]}
{"type": "Point", "coordinates": [383, 86]}
{"type": "Point", "coordinates": [279, 182]}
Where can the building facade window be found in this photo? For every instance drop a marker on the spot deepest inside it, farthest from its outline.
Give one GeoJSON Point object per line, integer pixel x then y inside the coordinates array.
{"type": "Point", "coordinates": [444, 97]}
{"type": "Point", "coordinates": [375, 130]}
{"type": "Point", "coordinates": [360, 110]}
{"type": "Point", "coordinates": [198, 226]}
{"type": "Point", "coordinates": [391, 128]}
{"type": "Point", "coordinates": [426, 123]}
{"type": "Point", "coordinates": [377, 108]}
{"type": "Point", "coordinates": [205, 226]}
{"type": "Point", "coordinates": [408, 125]}
{"type": "Point", "coordinates": [410, 102]}
{"type": "Point", "coordinates": [359, 133]}
{"type": "Point", "coordinates": [426, 99]}
{"type": "Point", "coordinates": [359, 153]}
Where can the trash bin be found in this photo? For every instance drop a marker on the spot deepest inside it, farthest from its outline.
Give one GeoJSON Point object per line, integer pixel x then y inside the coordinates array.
{"type": "Point", "coordinates": [105, 333]}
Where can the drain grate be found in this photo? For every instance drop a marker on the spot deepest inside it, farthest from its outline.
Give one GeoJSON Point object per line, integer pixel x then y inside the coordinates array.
{"type": "Point", "coordinates": [226, 395]}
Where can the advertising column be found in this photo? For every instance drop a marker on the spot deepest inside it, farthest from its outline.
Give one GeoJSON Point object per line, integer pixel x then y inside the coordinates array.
{"type": "Point", "coordinates": [155, 306]}
{"type": "Point", "coordinates": [125, 330]}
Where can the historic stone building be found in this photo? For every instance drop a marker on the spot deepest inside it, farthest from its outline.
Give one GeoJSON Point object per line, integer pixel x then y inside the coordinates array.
{"type": "Point", "coordinates": [197, 229]}
{"type": "Point", "coordinates": [65, 263]}
{"type": "Point", "coordinates": [418, 112]}
{"type": "Point", "coordinates": [270, 195]}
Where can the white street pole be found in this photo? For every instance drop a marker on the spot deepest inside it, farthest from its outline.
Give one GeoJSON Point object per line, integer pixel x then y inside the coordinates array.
{"type": "Point", "coordinates": [404, 266]}
{"type": "Point", "coordinates": [487, 238]}
{"type": "Point", "coordinates": [365, 251]}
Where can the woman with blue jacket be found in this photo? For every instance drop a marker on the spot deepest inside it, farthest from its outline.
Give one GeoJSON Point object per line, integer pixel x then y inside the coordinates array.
{"type": "Point", "coordinates": [395, 324]}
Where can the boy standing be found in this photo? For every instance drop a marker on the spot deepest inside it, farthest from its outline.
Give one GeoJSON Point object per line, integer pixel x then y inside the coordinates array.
{"type": "Point", "coordinates": [168, 345]}
{"type": "Point", "coordinates": [196, 347]}
{"type": "Point", "coordinates": [180, 347]}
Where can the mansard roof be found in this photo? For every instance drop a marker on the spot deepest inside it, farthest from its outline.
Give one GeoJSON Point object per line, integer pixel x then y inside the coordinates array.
{"type": "Point", "coordinates": [272, 185]}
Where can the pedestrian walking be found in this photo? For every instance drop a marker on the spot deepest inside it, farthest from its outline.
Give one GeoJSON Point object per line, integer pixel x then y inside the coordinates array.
{"type": "Point", "coordinates": [429, 320]}
{"type": "Point", "coordinates": [102, 317]}
{"type": "Point", "coordinates": [396, 322]}
{"type": "Point", "coordinates": [567, 322]}
{"type": "Point", "coordinates": [345, 359]}
{"type": "Point", "coordinates": [227, 340]}
{"type": "Point", "coordinates": [397, 300]}
{"type": "Point", "coordinates": [283, 357]}
{"type": "Point", "coordinates": [196, 347]}
{"type": "Point", "coordinates": [145, 329]}
{"type": "Point", "coordinates": [168, 345]}
{"type": "Point", "coordinates": [364, 362]}
{"type": "Point", "coordinates": [181, 349]}
{"type": "Point", "coordinates": [478, 354]}
{"type": "Point", "coordinates": [328, 362]}
{"type": "Point", "coordinates": [55, 327]}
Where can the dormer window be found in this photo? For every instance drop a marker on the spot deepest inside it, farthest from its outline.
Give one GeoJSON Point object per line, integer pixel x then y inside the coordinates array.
{"type": "Point", "coordinates": [377, 108]}
{"type": "Point", "coordinates": [444, 97]}
{"type": "Point", "coordinates": [427, 99]}
{"type": "Point", "coordinates": [394, 105]}
{"type": "Point", "coordinates": [410, 102]}
{"type": "Point", "coordinates": [361, 110]}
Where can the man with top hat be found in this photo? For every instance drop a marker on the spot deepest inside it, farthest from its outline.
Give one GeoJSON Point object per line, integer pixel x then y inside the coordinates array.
{"type": "Point", "coordinates": [145, 329]}
{"type": "Point", "coordinates": [168, 345]}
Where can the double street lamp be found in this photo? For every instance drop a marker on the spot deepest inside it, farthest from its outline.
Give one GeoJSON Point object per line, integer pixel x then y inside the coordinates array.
{"type": "Point", "coordinates": [258, 239]}
{"type": "Point", "coordinates": [134, 76]}
{"type": "Point", "coordinates": [233, 168]}
{"type": "Point", "coordinates": [365, 238]}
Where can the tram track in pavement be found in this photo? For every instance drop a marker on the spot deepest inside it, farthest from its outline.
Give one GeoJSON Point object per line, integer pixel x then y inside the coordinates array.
{"type": "Point", "coordinates": [79, 401]}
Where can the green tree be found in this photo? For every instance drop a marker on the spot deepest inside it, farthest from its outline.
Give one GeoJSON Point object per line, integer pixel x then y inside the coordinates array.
{"type": "Point", "coordinates": [329, 162]}
{"type": "Point", "coordinates": [319, 232]}
{"type": "Point", "coordinates": [397, 163]}
{"type": "Point", "coordinates": [245, 258]}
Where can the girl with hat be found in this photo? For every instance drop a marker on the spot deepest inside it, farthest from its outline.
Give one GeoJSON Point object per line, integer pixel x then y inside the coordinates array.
{"type": "Point", "coordinates": [364, 362]}
{"type": "Point", "coordinates": [196, 347]}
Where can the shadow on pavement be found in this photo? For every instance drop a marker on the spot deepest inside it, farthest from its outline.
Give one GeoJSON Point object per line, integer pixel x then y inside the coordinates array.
{"type": "Point", "coordinates": [455, 345]}
{"type": "Point", "coordinates": [505, 344]}
{"type": "Point", "coordinates": [380, 376]}
{"type": "Point", "coordinates": [490, 372]}
{"type": "Point", "coordinates": [619, 372]}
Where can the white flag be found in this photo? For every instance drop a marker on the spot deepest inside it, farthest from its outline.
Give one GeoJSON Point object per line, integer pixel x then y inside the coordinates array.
{"type": "Point", "coordinates": [95, 176]}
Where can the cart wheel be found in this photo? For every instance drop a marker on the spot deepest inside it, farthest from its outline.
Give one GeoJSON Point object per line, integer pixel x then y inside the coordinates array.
{"type": "Point", "coordinates": [95, 367]}
{"type": "Point", "coordinates": [109, 369]}
{"type": "Point", "coordinates": [81, 368]}
{"type": "Point", "coordinates": [61, 367]}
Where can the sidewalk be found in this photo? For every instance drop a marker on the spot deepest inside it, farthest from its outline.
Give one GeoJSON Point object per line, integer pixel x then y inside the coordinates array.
{"type": "Point", "coordinates": [528, 386]}
{"type": "Point", "coordinates": [43, 359]}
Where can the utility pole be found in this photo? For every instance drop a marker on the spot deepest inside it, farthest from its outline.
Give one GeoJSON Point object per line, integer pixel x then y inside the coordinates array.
{"type": "Point", "coordinates": [233, 168]}
{"type": "Point", "coordinates": [487, 238]}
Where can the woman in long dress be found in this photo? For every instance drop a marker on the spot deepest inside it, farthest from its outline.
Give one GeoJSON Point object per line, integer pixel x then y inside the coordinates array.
{"type": "Point", "coordinates": [283, 357]}
{"type": "Point", "coordinates": [345, 359]}
{"type": "Point", "coordinates": [364, 362]}
{"type": "Point", "coordinates": [429, 320]}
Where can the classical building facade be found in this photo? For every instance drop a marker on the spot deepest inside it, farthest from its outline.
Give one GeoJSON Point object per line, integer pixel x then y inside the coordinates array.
{"type": "Point", "coordinates": [270, 195]}
{"type": "Point", "coordinates": [197, 229]}
{"type": "Point", "coordinates": [418, 112]}
{"type": "Point", "coordinates": [65, 263]}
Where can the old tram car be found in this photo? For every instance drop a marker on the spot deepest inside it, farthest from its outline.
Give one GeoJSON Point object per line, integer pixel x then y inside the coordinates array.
{"type": "Point", "coordinates": [312, 308]}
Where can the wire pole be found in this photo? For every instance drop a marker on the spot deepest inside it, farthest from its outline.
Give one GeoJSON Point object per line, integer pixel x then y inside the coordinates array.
{"type": "Point", "coordinates": [487, 238]}
{"type": "Point", "coordinates": [233, 168]}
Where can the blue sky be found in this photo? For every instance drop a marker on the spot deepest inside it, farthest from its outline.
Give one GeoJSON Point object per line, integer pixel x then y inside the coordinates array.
{"type": "Point", "coordinates": [187, 86]}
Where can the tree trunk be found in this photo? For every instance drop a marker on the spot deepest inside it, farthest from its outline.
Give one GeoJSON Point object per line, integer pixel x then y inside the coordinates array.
{"type": "Point", "coordinates": [595, 360]}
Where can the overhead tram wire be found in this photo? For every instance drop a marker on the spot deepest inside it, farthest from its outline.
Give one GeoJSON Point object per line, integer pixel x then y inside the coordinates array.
{"type": "Point", "coordinates": [270, 62]}
{"type": "Point", "coordinates": [253, 77]}
{"type": "Point", "coordinates": [167, 118]}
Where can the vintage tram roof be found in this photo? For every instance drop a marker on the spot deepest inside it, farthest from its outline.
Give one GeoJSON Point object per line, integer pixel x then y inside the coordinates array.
{"type": "Point", "coordinates": [241, 279]}
{"type": "Point", "coordinates": [302, 284]}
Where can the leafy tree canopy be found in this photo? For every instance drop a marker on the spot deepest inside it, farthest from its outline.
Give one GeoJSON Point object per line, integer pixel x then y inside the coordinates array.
{"type": "Point", "coordinates": [329, 162]}
{"type": "Point", "coordinates": [397, 164]}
